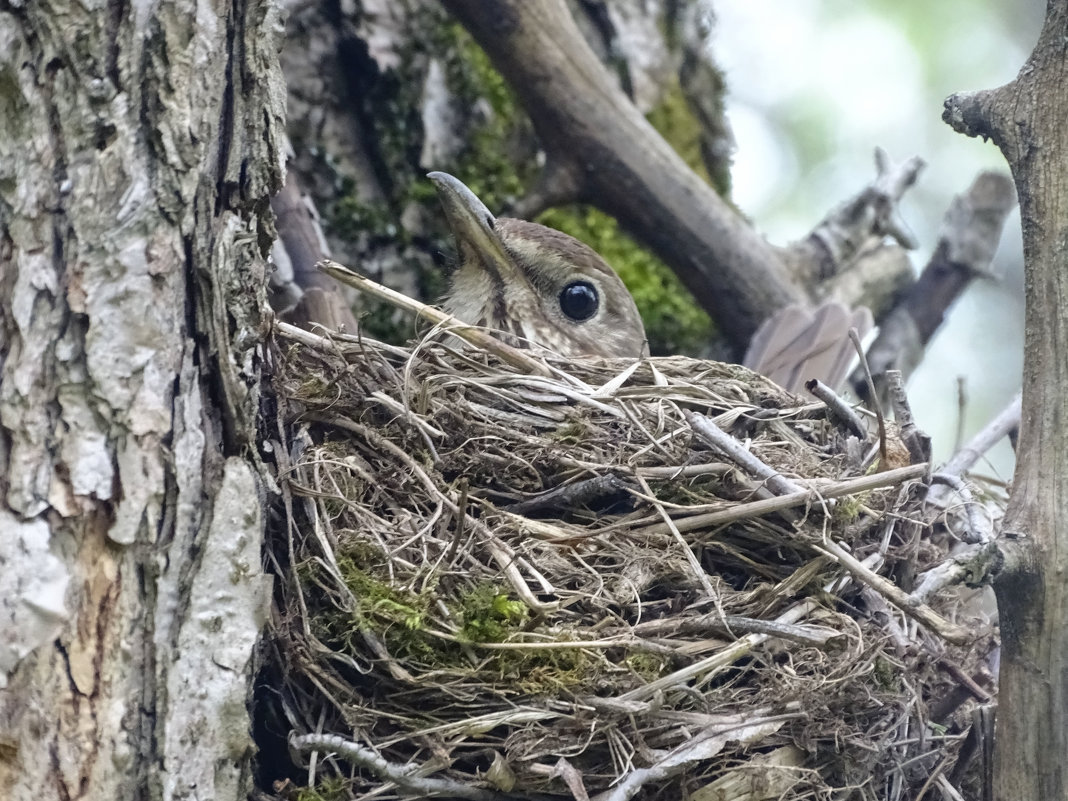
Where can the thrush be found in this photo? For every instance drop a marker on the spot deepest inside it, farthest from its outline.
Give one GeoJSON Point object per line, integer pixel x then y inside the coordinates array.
{"type": "Point", "coordinates": [538, 285]}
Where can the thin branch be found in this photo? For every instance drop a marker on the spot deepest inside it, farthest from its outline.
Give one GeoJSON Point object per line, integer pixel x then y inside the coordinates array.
{"type": "Point", "coordinates": [917, 442]}
{"type": "Point", "coordinates": [871, 395]}
{"type": "Point", "coordinates": [691, 559]}
{"type": "Point", "coordinates": [404, 776]}
{"type": "Point", "coordinates": [745, 511]}
{"type": "Point", "coordinates": [864, 219]}
{"type": "Point", "coordinates": [839, 408]}
{"type": "Point", "coordinates": [479, 337]}
{"type": "Point", "coordinates": [711, 434]}
{"type": "Point", "coordinates": [733, 625]}
{"type": "Point", "coordinates": [971, 564]}
{"type": "Point", "coordinates": [948, 631]}
{"type": "Point", "coordinates": [976, 524]}
{"type": "Point", "coordinates": [1006, 420]}
{"type": "Point", "coordinates": [970, 234]}
{"type": "Point", "coordinates": [705, 744]}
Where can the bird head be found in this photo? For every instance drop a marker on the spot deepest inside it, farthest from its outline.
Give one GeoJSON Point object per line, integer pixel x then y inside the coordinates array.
{"type": "Point", "coordinates": [535, 283]}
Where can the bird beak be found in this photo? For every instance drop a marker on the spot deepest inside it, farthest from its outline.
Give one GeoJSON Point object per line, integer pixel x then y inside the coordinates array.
{"type": "Point", "coordinates": [472, 226]}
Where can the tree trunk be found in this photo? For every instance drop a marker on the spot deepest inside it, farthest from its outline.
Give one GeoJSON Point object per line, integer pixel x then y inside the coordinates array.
{"type": "Point", "coordinates": [1026, 120]}
{"type": "Point", "coordinates": [139, 145]}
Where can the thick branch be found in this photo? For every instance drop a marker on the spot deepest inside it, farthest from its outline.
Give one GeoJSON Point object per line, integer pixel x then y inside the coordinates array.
{"type": "Point", "coordinates": [602, 149]}
{"type": "Point", "coordinates": [972, 113]}
{"type": "Point", "coordinates": [1026, 119]}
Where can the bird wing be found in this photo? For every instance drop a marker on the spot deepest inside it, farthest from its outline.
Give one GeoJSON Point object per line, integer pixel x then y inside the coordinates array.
{"type": "Point", "coordinates": [797, 344]}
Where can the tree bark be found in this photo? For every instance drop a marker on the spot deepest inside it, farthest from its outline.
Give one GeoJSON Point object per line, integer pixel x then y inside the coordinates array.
{"type": "Point", "coordinates": [1025, 119]}
{"type": "Point", "coordinates": [139, 145]}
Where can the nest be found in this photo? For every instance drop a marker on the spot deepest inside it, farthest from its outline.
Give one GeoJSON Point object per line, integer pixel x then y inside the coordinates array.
{"type": "Point", "coordinates": [667, 578]}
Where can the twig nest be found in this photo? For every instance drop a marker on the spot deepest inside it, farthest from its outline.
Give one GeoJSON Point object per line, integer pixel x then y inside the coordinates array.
{"type": "Point", "coordinates": [496, 584]}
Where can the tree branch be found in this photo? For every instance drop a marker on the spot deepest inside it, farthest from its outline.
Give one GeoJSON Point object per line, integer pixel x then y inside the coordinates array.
{"type": "Point", "coordinates": [859, 223]}
{"type": "Point", "coordinates": [970, 234]}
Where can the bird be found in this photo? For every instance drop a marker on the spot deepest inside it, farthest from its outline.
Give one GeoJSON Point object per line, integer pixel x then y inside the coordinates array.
{"type": "Point", "coordinates": [538, 285]}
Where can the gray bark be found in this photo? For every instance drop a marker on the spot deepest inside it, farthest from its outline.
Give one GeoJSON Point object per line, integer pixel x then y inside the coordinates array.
{"type": "Point", "coordinates": [138, 149]}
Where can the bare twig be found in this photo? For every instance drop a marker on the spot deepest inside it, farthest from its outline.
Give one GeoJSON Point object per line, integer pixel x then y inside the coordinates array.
{"type": "Point", "coordinates": [733, 652]}
{"type": "Point", "coordinates": [695, 564]}
{"type": "Point", "coordinates": [970, 234]}
{"type": "Point", "coordinates": [917, 442]}
{"type": "Point", "coordinates": [734, 625]}
{"type": "Point", "coordinates": [839, 408]}
{"type": "Point", "coordinates": [703, 745]}
{"type": "Point", "coordinates": [744, 511]}
{"type": "Point", "coordinates": [969, 564]}
{"type": "Point", "coordinates": [1000, 426]}
{"type": "Point", "coordinates": [978, 529]}
{"type": "Point", "coordinates": [480, 337]}
{"type": "Point", "coordinates": [405, 776]}
{"type": "Point", "coordinates": [872, 396]}
{"type": "Point", "coordinates": [948, 631]}
{"type": "Point", "coordinates": [711, 434]}
{"type": "Point", "coordinates": [962, 408]}
{"type": "Point", "coordinates": [867, 217]}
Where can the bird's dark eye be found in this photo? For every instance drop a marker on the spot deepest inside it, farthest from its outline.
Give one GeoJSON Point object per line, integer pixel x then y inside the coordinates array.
{"type": "Point", "coordinates": [579, 300]}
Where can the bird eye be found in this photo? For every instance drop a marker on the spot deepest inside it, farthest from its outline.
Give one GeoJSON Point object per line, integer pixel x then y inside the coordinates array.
{"type": "Point", "coordinates": [579, 300]}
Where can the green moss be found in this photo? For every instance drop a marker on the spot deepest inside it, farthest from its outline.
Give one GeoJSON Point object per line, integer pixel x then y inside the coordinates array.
{"type": "Point", "coordinates": [355, 220]}
{"type": "Point", "coordinates": [489, 615]}
{"type": "Point", "coordinates": [674, 322]}
{"type": "Point", "coordinates": [848, 509]}
{"type": "Point", "coordinates": [394, 614]}
{"type": "Point", "coordinates": [648, 666]}
{"type": "Point", "coordinates": [333, 788]}
{"type": "Point", "coordinates": [884, 674]}
{"type": "Point", "coordinates": [674, 120]}
{"type": "Point", "coordinates": [548, 671]}
{"type": "Point", "coordinates": [572, 431]}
